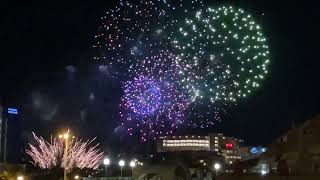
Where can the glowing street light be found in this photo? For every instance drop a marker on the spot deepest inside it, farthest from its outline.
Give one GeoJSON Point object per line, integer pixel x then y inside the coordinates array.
{"type": "Point", "coordinates": [263, 172]}
{"type": "Point", "coordinates": [76, 177]}
{"type": "Point", "coordinates": [217, 167]}
{"type": "Point", "coordinates": [132, 165]}
{"type": "Point", "coordinates": [106, 162]}
{"type": "Point", "coordinates": [121, 164]}
{"type": "Point", "coordinates": [20, 178]}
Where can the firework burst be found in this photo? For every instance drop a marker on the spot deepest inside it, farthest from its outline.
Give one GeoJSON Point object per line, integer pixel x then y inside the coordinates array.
{"type": "Point", "coordinates": [223, 51]}
{"type": "Point", "coordinates": [49, 154]}
{"type": "Point", "coordinates": [134, 30]}
{"type": "Point", "coordinates": [151, 107]}
{"type": "Point", "coordinates": [131, 30]}
{"type": "Point", "coordinates": [175, 69]}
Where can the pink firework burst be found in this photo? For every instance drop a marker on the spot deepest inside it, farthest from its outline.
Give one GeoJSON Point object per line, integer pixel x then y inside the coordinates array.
{"type": "Point", "coordinates": [49, 154]}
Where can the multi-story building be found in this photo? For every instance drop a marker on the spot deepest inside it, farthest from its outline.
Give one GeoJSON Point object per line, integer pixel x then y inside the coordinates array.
{"type": "Point", "coordinates": [229, 147]}
{"type": "Point", "coordinates": [297, 151]}
{"type": "Point", "coordinates": [11, 145]}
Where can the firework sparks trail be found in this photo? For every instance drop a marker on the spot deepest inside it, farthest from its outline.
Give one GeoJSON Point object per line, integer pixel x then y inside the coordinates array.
{"type": "Point", "coordinates": [49, 154]}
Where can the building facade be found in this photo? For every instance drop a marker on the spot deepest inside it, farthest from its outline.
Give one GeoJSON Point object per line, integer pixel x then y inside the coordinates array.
{"type": "Point", "coordinates": [297, 151]}
{"type": "Point", "coordinates": [183, 143]}
{"type": "Point", "coordinates": [228, 147]}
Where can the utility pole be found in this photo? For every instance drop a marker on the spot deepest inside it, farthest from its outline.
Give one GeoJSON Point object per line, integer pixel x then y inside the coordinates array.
{"type": "Point", "coordinates": [5, 140]}
{"type": "Point", "coordinates": [65, 158]}
{"type": "Point", "coordinates": [65, 137]}
{"type": "Point", "coordinates": [1, 120]}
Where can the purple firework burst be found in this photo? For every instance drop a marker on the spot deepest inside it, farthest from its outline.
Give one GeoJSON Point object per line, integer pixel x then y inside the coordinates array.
{"type": "Point", "coordinates": [151, 107]}
{"type": "Point", "coordinates": [142, 95]}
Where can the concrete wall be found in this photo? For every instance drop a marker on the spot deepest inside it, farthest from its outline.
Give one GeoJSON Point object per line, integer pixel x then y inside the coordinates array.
{"type": "Point", "coordinates": [256, 177]}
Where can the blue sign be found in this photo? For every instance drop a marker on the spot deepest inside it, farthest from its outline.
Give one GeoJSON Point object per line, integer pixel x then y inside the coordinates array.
{"type": "Point", "coordinates": [12, 111]}
{"type": "Point", "coordinates": [258, 150]}
{"type": "Point", "coordinates": [254, 150]}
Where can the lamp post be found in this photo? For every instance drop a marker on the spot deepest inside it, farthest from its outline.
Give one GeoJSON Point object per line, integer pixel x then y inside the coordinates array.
{"type": "Point", "coordinates": [106, 162]}
{"type": "Point", "coordinates": [216, 166]}
{"type": "Point", "coordinates": [132, 165]}
{"type": "Point", "coordinates": [121, 164]}
{"type": "Point", "coordinates": [65, 137]}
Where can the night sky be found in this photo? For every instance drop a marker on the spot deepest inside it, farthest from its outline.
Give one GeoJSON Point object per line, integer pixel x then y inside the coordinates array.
{"type": "Point", "coordinates": [48, 73]}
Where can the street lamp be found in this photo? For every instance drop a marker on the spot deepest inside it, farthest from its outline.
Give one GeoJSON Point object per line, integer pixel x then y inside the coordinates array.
{"type": "Point", "coordinates": [65, 137]}
{"type": "Point", "coordinates": [132, 165]}
{"type": "Point", "coordinates": [76, 177]}
{"type": "Point", "coordinates": [106, 162]}
{"type": "Point", "coordinates": [263, 172]}
{"type": "Point", "coordinates": [121, 164]}
{"type": "Point", "coordinates": [20, 178]}
{"type": "Point", "coordinates": [217, 166]}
